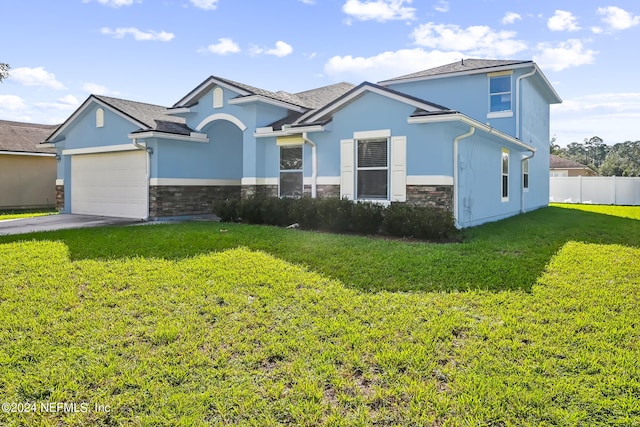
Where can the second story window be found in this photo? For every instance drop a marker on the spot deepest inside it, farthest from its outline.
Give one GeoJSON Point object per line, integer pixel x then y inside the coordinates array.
{"type": "Point", "coordinates": [500, 93]}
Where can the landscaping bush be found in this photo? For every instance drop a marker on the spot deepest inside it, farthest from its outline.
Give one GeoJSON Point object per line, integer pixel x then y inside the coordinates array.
{"type": "Point", "coordinates": [342, 216]}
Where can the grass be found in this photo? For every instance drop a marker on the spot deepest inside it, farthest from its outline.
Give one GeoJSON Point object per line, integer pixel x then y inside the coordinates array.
{"type": "Point", "coordinates": [178, 325]}
{"type": "Point", "coordinates": [28, 213]}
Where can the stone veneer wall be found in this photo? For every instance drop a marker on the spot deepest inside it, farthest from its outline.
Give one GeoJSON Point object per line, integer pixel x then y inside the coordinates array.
{"type": "Point", "coordinates": [60, 198]}
{"type": "Point", "coordinates": [440, 196]}
{"type": "Point", "coordinates": [323, 190]}
{"type": "Point", "coordinates": [176, 200]}
{"type": "Point", "coordinates": [259, 191]}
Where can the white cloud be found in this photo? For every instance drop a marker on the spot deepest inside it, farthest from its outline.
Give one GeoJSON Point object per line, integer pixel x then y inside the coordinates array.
{"type": "Point", "coordinates": [35, 77]}
{"type": "Point", "coordinates": [224, 46]}
{"type": "Point", "coordinates": [618, 19]}
{"type": "Point", "coordinates": [387, 64]}
{"type": "Point", "coordinates": [280, 50]}
{"type": "Point", "coordinates": [114, 3]}
{"type": "Point", "coordinates": [308, 1]}
{"type": "Point", "coordinates": [97, 89]}
{"type": "Point", "coordinates": [597, 30]}
{"type": "Point", "coordinates": [615, 117]}
{"type": "Point", "coordinates": [68, 102]}
{"type": "Point", "coordinates": [475, 40]}
{"type": "Point", "coordinates": [379, 10]}
{"type": "Point", "coordinates": [12, 103]}
{"type": "Point", "coordinates": [138, 35]}
{"type": "Point", "coordinates": [205, 4]}
{"type": "Point", "coordinates": [442, 6]}
{"type": "Point", "coordinates": [563, 21]}
{"type": "Point", "coordinates": [560, 56]}
{"type": "Point", "coordinates": [511, 17]}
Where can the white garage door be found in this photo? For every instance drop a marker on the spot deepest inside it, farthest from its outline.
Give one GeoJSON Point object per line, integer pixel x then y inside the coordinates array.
{"type": "Point", "coordinates": [110, 184]}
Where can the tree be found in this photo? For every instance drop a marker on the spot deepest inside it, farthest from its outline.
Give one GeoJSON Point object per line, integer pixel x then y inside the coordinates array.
{"type": "Point", "coordinates": [4, 71]}
{"type": "Point", "coordinates": [623, 159]}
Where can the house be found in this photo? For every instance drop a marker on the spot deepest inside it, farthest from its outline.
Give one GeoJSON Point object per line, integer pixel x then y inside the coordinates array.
{"type": "Point", "coordinates": [471, 137]}
{"type": "Point", "coordinates": [559, 166]}
{"type": "Point", "coordinates": [27, 170]}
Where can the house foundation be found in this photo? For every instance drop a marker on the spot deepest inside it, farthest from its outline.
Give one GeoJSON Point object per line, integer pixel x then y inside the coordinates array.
{"type": "Point", "coordinates": [177, 200]}
{"type": "Point", "coordinates": [440, 196]}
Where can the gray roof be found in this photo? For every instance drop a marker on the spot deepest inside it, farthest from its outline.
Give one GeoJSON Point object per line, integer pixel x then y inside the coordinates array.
{"type": "Point", "coordinates": [24, 137]}
{"type": "Point", "coordinates": [462, 66]}
{"type": "Point", "coordinates": [310, 99]}
{"type": "Point", "coordinates": [556, 162]}
{"type": "Point", "coordinates": [319, 97]}
{"type": "Point", "coordinates": [154, 117]}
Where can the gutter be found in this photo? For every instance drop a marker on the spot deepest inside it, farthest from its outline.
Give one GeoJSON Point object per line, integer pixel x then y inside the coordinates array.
{"type": "Point", "coordinates": [524, 76]}
{"type": "Point", "coordinates": [471, 122]}
{"type": "Point", "coordinates": [149, 150]}
{"type": "Point", "coordinates": [314, 164]}
{"type": "Point", "coordinates": [456, 140]}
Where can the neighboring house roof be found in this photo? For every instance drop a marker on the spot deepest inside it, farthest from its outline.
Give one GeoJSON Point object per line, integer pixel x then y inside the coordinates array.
{"type": "Point", "coordinates": [149, 117]}
{"type": "Point", "coordinates": [556, 162]}
{"type": "Point", "coordinates": [24, 137]}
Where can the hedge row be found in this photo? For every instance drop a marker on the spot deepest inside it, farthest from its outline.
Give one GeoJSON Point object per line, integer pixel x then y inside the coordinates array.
{"type": "Point", "coordinates": [341, 216]}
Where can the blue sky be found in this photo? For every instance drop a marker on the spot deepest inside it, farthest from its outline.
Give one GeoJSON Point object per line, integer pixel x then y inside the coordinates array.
{"type": "Point", "coordinates": [156, 51]}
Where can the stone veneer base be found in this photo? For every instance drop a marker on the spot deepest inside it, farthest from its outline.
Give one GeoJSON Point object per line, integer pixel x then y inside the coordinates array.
{"type": "Point", "coordinates": [178, 200]}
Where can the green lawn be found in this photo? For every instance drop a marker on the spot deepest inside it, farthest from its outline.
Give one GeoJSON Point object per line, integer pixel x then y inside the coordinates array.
{"type": "Point", "coordinates": [4, 215]}
{"type": "Point", "coordinates": [531, 321]}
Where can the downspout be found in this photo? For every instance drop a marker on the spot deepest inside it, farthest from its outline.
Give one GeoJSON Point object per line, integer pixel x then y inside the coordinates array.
{"type": "Point", "coordinates": [524, 159]}
{"type": "Point", "coordinates": [148, 175]}
{"type": "Point", "coordinates": [314, 164]}
{"type": "Point", "coordinates": [456, 140]}
{"type": "Point", "coordinates": [524, 76]}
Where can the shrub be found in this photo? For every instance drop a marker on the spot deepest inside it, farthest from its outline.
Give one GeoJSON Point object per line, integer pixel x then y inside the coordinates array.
{"type": "Point", "coordinates": [403, 220]}
{"type": "Point", "coordinates": [342, 216]}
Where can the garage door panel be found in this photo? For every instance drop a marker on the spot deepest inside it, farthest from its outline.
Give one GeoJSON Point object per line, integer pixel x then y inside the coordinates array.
{"type": "Point", "coordinates": [110, 184]}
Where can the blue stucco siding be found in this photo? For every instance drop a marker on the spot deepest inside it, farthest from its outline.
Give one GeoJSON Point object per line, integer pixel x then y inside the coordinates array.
{"type": "Point", "coordinates": [220, 158]}
{"type": "Point", "coordinates": [83, 133]}
{"type": "Point", "coordinates": [480, 180]}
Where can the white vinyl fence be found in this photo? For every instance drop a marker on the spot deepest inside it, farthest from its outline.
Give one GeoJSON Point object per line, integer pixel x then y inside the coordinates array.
{"type": "Point", "coordinates": [597, 190]}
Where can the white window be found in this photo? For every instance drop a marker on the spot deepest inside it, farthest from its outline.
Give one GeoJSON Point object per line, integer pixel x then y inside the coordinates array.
{"type": "Point", "coordinates": [218, 98]}
{"type": "Point", "coordinates": [99, 118]}
{"type": "Point", "coordinates": [505, 175]}
{"type": "Point", "coordinates": [291, 179]}
{"type": "Point", "coordinates": [525, 174]}
{"type": "Point", "coordinates": [499, 93]}
{"type": "Point", "coordinates": [372, 169]}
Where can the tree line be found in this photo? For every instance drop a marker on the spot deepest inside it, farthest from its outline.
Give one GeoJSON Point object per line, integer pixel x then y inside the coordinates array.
{"type": "Point", "coordinates": [622, 159]}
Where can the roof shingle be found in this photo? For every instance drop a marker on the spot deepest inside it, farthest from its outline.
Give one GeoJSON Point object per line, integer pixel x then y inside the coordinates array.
{"type": "Point", "coordinates": [24, 137]}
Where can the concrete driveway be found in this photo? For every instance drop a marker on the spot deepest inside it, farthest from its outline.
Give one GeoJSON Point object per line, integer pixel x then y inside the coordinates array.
{"type": "Point", "coordinates": [59, 222]}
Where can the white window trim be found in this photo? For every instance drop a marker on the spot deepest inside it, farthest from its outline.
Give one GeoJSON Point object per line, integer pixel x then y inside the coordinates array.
{"type": "Point", "coordinates": [374, 135]}
{"type": "Point", "coordinates": [526, 189]}
{"type": "Point", "coordinates": [504, 113]}
{"type": "Point", "coordinates": [504, 151]}
{"type": "Point", "coordinates": [280, 170]}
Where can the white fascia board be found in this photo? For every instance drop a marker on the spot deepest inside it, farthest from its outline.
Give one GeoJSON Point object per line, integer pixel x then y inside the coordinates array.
{"type": "Point", "coordinates": [86, 105]}
{"type": "Point", "coordinates": [102, 149]}
{"type": "Point", "coordinates": [289, 131]}
{"type": "Point", "coordinates": [182, 110]}
{"type": "Point", "coordinates": [266, 129]}
{"type": "Point", "coordinates": [458, 73]}
{"type": "Point", "coordinates": [193, 137]}
{"type": "Point", "coordinates": [395, 96]}
{"type": "Point", "coordinates": [26, 153]}
{"type": "Point", "coordinates": [260, 181]}
{"type": "Point", "coordinates": [47, 145]}
{"type": "Point", "coordinates": [471, 122]}
{"type": "Point", "coordinates": [271, 101]}
{"type": "Point", "coordinates": [194, 182]}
